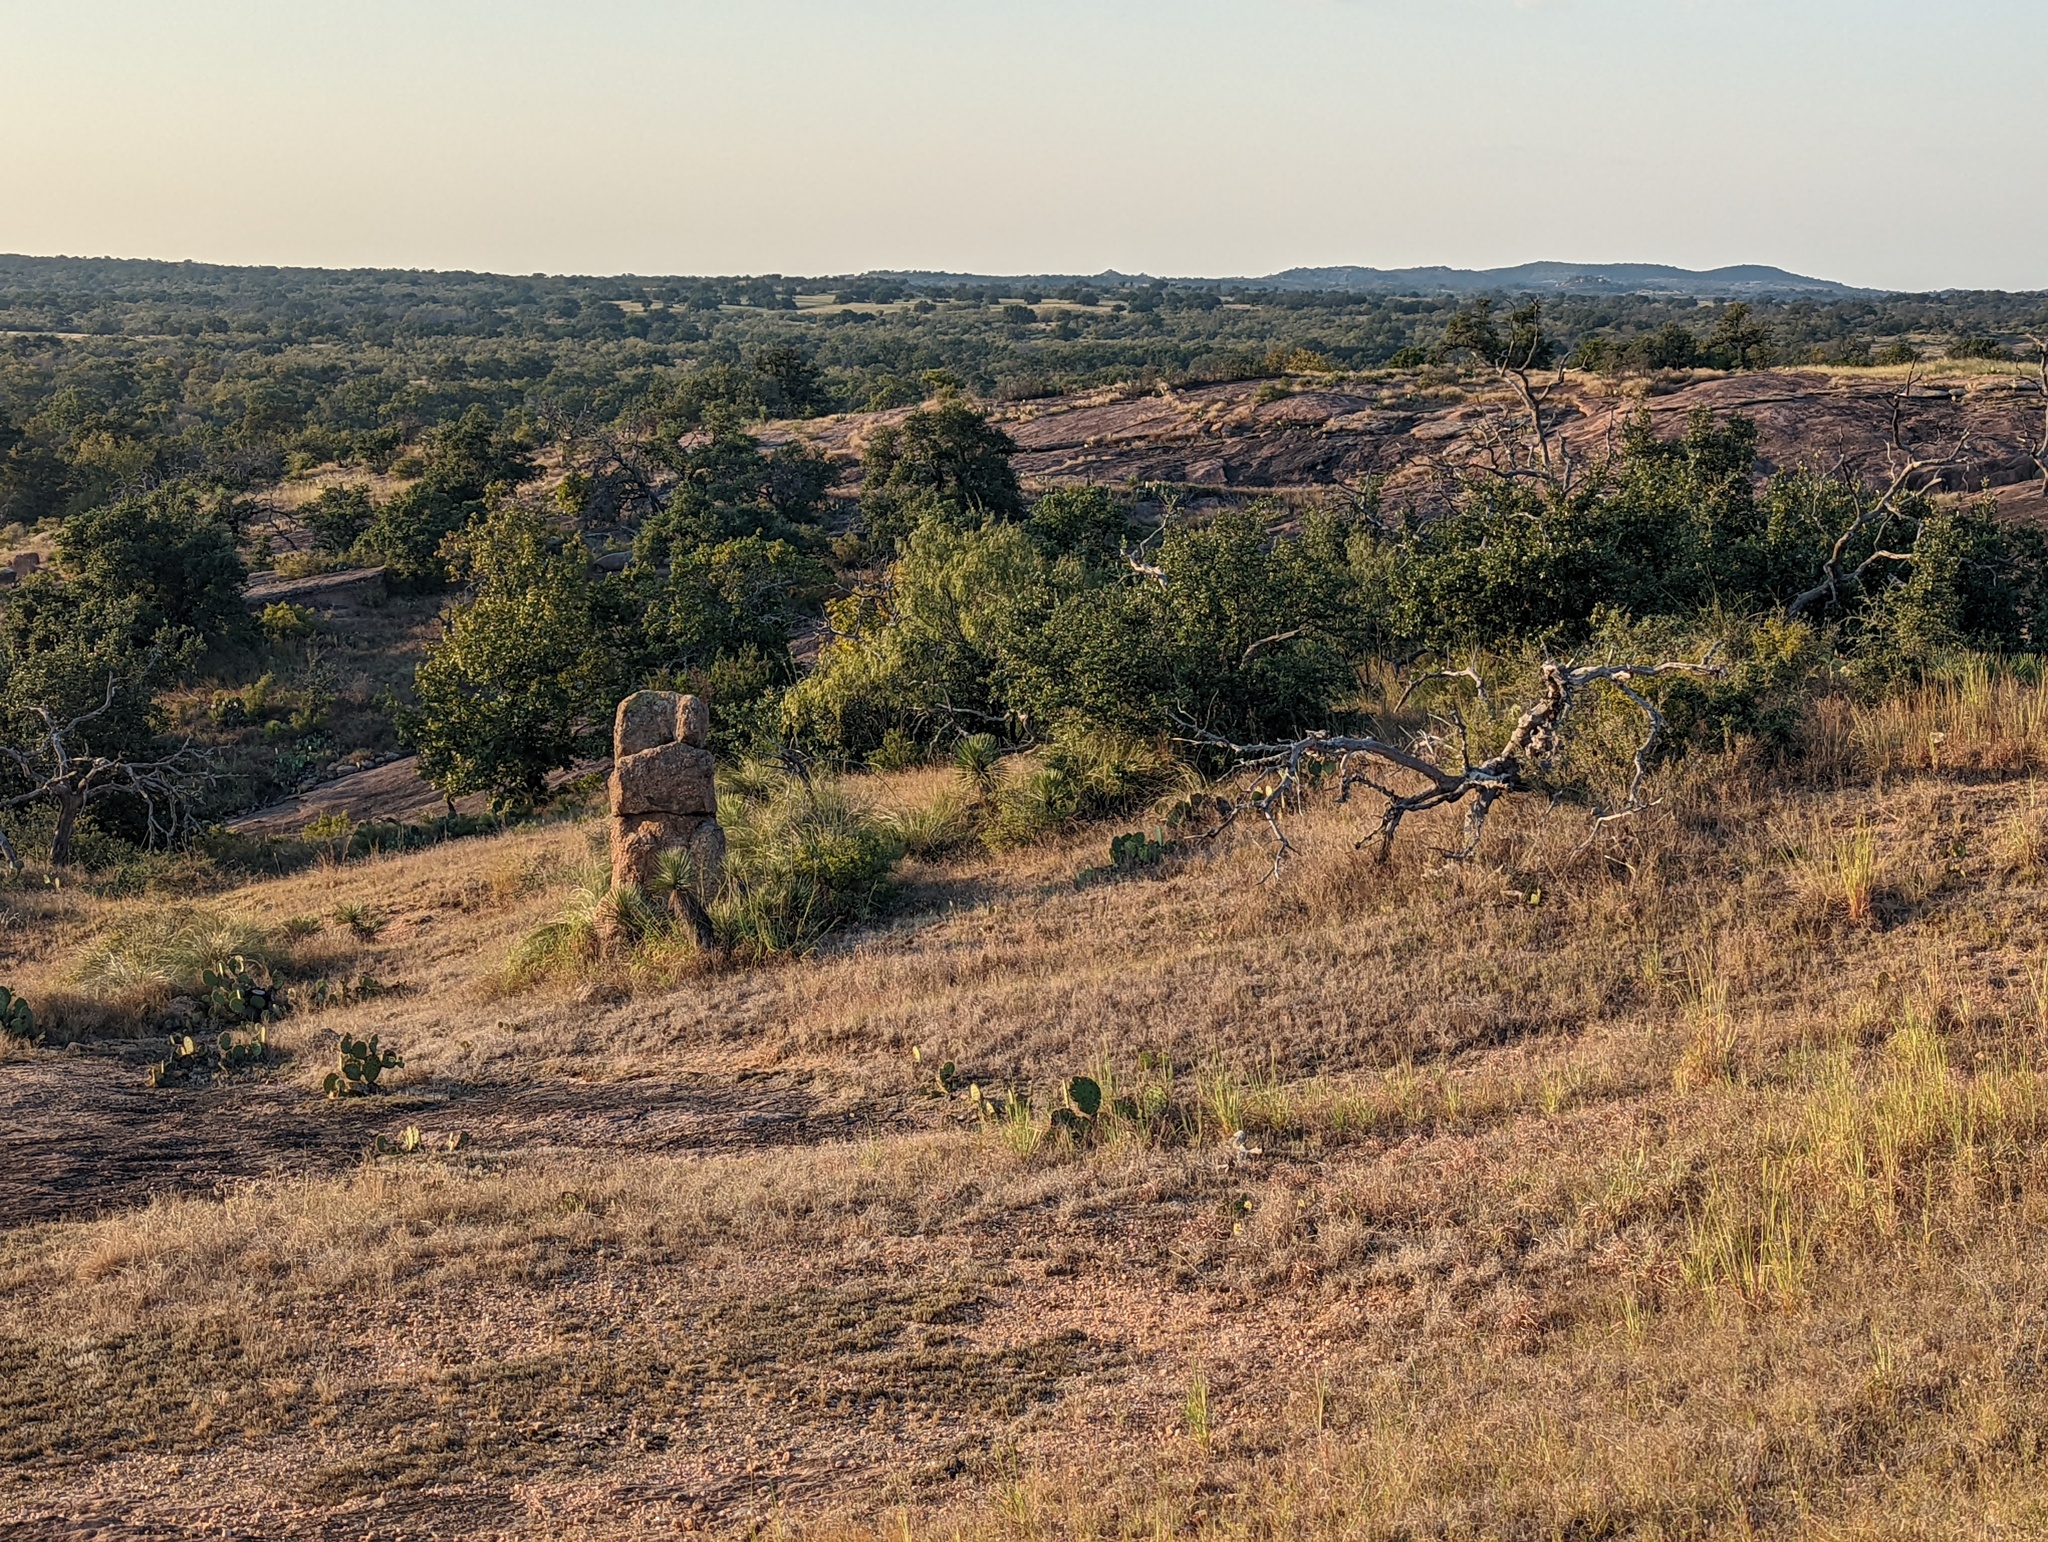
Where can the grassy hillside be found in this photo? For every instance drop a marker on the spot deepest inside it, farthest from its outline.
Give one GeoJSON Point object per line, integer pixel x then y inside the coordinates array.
{"type": "Point", "coordinates": [1683, 1182]}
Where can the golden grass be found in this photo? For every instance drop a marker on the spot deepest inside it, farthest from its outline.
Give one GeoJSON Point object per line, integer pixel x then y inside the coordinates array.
{"type": "Point", "coordinates": [1685, 1185]}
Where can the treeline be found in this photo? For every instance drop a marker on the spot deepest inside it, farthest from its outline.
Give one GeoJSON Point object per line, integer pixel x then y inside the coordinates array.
{"type": "Point", "coordinates": [119, 374]}
{"type": "Point", "coordinates": [952, 607]}
{"type": "Point", "coordinates": [971, 610]}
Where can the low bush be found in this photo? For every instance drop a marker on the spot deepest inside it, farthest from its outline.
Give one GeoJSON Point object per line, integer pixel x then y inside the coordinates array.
{"type": "Point", "coordinates": [1082, 774]}
{"type": "Point", "coordinates": [802, 857]}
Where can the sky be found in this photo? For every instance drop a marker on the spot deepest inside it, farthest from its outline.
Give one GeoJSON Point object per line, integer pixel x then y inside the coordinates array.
{"type": "Point", "coordinates": [1878, 142]}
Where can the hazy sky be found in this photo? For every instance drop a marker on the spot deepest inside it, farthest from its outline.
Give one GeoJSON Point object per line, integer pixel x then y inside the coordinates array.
{"type": "Point", "coordinates": [1875, 141]}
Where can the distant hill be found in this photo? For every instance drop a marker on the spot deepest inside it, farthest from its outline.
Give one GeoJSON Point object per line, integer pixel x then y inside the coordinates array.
{"type": "Point", "coordinates": [1646, 278]}
{"type": "Point", "coordinates": [1565, 277]}
{"type": "Point", "coordinates": [136, 278]}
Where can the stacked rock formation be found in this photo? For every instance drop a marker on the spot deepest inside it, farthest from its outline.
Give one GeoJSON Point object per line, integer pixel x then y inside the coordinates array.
{"type": "Point", "coordinates": [664, 791]}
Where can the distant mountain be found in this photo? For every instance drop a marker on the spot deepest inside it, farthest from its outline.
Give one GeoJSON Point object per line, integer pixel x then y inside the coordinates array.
{"type": "Point", "coordinates": [1531, 277]}
{"type": "Point", "coordinates": [1564, 278]}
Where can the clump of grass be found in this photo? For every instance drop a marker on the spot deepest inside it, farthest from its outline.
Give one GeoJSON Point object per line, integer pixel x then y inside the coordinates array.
{"type": "Point", "coordinates": [1753, 1237]}
{"type": "Point", "coordinates": [1195, 1411]}
{"type": "Point", "coordinates": [359, 920]}
{"type": "Point", "coordinates": [1709, 1054]}
{"type": "Point", "coordinates": [1874, 1142]}
{"type": "Point", "coordinates": [802, 856]}
{"type": "Point", "coordinates": [1082, 774]}
{"type": "Point", "coordinates": [170, 951]}
{"type": "Point", "coordinates": [1901, 1146]}
{"type": "Point", "coordinates": [1841, 873]}
{"type": "Point", "coordinates": [1978, 715]}
{"type": "Point", "coordinates": [933, 829]}
{"type": "Point", "coordinates": [2023, 842]}
{"type": "Point", "coordinates": [602, 926]}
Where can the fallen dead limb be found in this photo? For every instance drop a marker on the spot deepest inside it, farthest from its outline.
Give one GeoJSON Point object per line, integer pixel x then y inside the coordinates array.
{"type": "Point", "coordinates": [1275, 773]}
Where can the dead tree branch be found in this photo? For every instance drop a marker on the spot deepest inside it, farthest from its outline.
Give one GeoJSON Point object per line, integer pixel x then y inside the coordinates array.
{"type": "Point", "coordinates": [55, 769]}
{"type": "Point", "coordinates": [2039, 453]}
{"type": "Point", "coordinates": [1910, 474]}
{"type": "Point", "coordinates": [1274, 774]}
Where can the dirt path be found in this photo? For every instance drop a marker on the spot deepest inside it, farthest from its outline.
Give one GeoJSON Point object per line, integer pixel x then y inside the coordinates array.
{"type": "Point", "coordinates": [82, 1134]}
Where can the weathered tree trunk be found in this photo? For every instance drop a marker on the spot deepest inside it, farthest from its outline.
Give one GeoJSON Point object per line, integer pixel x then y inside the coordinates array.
{"type": "Point", "coordinates": [69, 806]}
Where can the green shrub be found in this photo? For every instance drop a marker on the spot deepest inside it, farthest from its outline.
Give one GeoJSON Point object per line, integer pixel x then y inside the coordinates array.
{"type": "Point", "coordinates": [284, 620]}
{"type": "Point", "coordinates": [801, 857]}
{"type": "Point", "coordinates": [897, 752]}
{"type": "Point", "coordinates": [1082, 774]}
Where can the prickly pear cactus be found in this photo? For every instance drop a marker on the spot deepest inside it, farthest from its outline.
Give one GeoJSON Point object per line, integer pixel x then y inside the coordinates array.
{"type": "Point", "coordinates": [239, 1055]}
{"type": "Point", "coordinates": [1135, 850]}
{"type": "Point", "coordinates": [241, 992]}
{"type": "Point", "coordinates": [359, 1063]}
{"type": "Point", "coordinates": [185, 1058]}
{"type": "Point", "coordinates": [1083, 1095]}
{"type": "Point", "coordinates": [16, 1020]}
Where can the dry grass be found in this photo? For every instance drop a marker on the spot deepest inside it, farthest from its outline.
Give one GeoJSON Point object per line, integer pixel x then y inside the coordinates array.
{"type": "Point", "coordinates": [1687, 1186]}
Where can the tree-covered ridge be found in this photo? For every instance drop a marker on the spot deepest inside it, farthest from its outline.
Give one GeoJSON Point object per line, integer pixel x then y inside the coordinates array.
{"type": "Point", "coordinates": [114, 371]}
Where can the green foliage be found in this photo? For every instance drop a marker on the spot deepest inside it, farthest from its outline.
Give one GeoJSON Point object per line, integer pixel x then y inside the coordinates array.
{"type": "Point", "coordinates": [1245, 633]}
{"type": "Point", "coordinates": [462, 462]}
{"type": "Point", "coordinates": [897, 752]}
{"type": "Point", "coordinates": [1083, 525]}
{"type": "Point", "coordinates": [358, 919]}
{"type": "Point", "coordinates": [1080, 1109]}
{"type": "Point", "coordinates": [284, 621]}
{"type": "Point", "coordinates": [189, 1057]}
{"type": "Point", "coordinates": [802, 857]}
{"type": "Point", "coordinates": [1978, 347]}
{"type": "Point", "coordinates": [525, 672]}
{"type": "Point", "coordinates": [1762, 698]}
{"type": "Point", "coordinates": [1672, 346]}
{"type": "Point", "coordinates": [975, 757]}
{"type": "Point", "coordinates": [1134, 850]}
{"type": "Point", "coordinates": [727, 487]}
{"type": "Point", "coordinates": [62, 649]}
{"type": "Point", "coordinates": [924, 651]}
{"type": "Point", "coordinates": [730, 599]}
{"type": "Point", "coordinates": [1474, 332]}
{"type": "Point", "coordinates": [1081, 774]}
{"type": "Point", "coordinates": [339, 516]}
{"type": "Point", "coordinates": [1976, 582]}
{"type": "Point", "coordinates": [358, 1065]}
{"type": "Point", "coordinates": [240, 1054]}
{"type": "Point", "coordinates": [1673, 528]}
{"type": "Point", "coordinates": [946, 460]}
{"type": "Point", "coordinates": [1738, 340]}
{"type": "Point", "coordinates": [166, 557]}
{"type": "Point", "coordinates": [16, 1020]}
